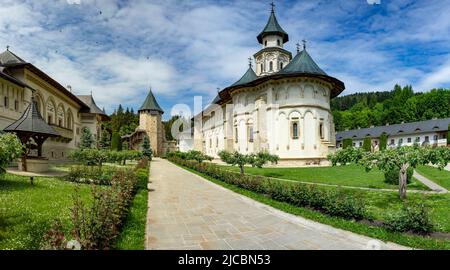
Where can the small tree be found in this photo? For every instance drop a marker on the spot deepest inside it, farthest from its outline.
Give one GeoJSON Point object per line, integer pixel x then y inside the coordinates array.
{"type": "Point", "coordinates": [235, 158]}
{"type": "Point", "coordinates": [262, 158]}
{"type": "Point", "coordinates": [10, 149]}
{"type": "Point", "coordinates": [105, 140]}
{"type": "Point", "coordinates": [197, 156]}
{"type": "Point", "coordinates": [367, 144]}
{"type": "Point", "coordinates": [400, 158]}
{"type": "Point", "coordinates": [255, 160]}
{"type": "Point", "coordinates": [86, 138]}
{"type": "Point", "coordinates": [116, 143]}
{"type": "Point", "coordinates": [146, 150]}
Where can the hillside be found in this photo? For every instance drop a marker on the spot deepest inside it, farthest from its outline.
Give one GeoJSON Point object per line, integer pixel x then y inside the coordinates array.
{"type": "Point", "coordinates": [393, 107]}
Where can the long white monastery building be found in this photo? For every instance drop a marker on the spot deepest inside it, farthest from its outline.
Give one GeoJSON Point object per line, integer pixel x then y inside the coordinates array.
{"type": "Point", "coordinates": [283, 106]}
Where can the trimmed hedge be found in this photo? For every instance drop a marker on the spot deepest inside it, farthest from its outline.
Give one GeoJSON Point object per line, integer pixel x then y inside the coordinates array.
{"type": "Point", "coordinates": [383, 141]}
{"type": "Point", "coordinates": [348, 142]}
{"type": "Point", "coordinates": [367, 144]}
{"type": "Point", "coordinates": [333, 203]}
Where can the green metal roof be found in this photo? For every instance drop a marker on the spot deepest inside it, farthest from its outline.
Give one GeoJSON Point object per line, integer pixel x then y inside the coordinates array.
{"type": "Point", "coordinates": [273, 28]}
{"type": "Point", "coordinates": [249, 76]}
{"type": "Point", "coordinates": [302, 63]}
{"type": "Point", "coordinates": [150, 103]}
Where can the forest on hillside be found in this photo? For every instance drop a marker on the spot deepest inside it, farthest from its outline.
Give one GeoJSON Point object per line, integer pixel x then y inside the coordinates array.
{"type": "Point", "coordinates": [390, 107]}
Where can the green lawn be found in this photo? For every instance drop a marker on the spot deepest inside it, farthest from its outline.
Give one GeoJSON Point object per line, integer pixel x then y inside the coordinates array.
{"type": "Point", "coordinates": [26, 211]}
{"type": "Point", "coordinates": [379, 205]}
{"type": "Point", "coordinates": [350, 175]}
{"type": "Point", "coordinates": [440, 177]}
{"type": "Point", "coordinates": [132, 236]}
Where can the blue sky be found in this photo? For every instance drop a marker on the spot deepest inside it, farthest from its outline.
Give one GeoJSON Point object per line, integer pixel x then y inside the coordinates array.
{"type": "Point", "coordinates": [117, 49]}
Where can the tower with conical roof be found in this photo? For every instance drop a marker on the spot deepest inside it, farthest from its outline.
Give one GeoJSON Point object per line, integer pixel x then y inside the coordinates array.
{"type": "Point", "coordinates": [150, 120]}
{"type": "Point", "coordinates": [272, 57]}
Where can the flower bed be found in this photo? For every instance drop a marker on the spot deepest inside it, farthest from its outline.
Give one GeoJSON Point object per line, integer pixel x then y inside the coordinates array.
{"type": "Point", "coordinates": [96, 226]}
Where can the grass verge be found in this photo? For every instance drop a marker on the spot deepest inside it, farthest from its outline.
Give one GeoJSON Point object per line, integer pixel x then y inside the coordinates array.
{"type": "Point", "coordinates": [349, 175]}
{"type": "Point", "coordinates": [440, 177]}
{"type": "Point", "coordinates": [132, 236]}
{"type": "Point", "coordinates": [413, 241]}
{"type": "Point", "coordinates": [27, 211]}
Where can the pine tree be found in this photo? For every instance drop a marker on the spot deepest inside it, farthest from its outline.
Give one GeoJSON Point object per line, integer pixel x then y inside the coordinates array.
{"type": "Point", "coordinates": [146, 150]}
{"type": "Point", "coordinates": [86, 138]}
{"type": "Point", "coordinates": [105, 142]}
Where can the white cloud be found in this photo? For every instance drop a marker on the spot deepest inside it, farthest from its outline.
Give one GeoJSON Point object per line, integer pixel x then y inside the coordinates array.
{"type": "Point", "coordinates": [183, 48]}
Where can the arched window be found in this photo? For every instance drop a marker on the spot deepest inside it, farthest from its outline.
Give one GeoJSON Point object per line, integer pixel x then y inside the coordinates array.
{"type": "Point", "coordinates": [271, 66]}
{"type": "Point", "coordinates": [281, 65]}
{"type": "Point", "coordinates": [294, 131]}
{"type": "Point", "coordinates": [262, 68]}
{"type": "Point", "coordinates": [250, 133]}
{"type": "Point", "coordinates": [265, 43]}
{"type": "Point", "coordinates": [278, 42]}
{"type": "Point", "coordinates": [321, 130]}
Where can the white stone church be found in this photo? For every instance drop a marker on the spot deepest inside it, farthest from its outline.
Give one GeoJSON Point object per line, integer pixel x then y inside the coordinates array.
{"type": "Point", "coordinates": [283, 106]}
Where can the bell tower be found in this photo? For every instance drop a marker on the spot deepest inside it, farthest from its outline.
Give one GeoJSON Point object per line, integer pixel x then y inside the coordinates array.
{"type": "Point", "coordinates": [272, 57]}
{"type": "Point", "coordinates": [150, 114]}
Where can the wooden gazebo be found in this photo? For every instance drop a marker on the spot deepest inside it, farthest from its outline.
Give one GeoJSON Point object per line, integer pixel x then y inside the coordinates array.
{"type": "Point", "coordinates": [32, 130]}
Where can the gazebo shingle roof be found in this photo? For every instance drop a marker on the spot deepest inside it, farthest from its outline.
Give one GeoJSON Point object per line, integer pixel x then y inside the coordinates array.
{"type": "Point", "coordinates": [31, 122]}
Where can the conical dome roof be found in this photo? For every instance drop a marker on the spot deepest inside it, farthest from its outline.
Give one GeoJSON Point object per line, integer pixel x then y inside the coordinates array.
{"type": "Point", "coordinates": [273, 28]}
{"type": "Point", "coordinates": [249, 76]}
{"type": "Point", "coordinates": [150, 103]}
{"type": "Point", "coordinates": [302, 63]}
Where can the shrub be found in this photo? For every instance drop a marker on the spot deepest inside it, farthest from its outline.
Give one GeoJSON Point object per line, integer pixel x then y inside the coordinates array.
{"type": "Point", "coordinates": [414, 218]}
{"type": "Point", "coordinates": [197, 156]}
{"type": "Point", "coordinates": [90, 156]}
{"type": "Point", "coordinates": [391, 176]}
{"type": "Point", "coordinates": [348, 142]}
{"type": "Point", "coordinates": [91, 175]}
{"type": "Point", "coordinates": [97, 225]}
{"type": "Point", "coordinates": [143, 163]}
{"type": "Point", "coordinates": [10, 149]}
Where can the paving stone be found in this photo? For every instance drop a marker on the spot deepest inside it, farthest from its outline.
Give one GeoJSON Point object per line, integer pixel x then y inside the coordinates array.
{"type": "Point", "coordinates": [189, 212]}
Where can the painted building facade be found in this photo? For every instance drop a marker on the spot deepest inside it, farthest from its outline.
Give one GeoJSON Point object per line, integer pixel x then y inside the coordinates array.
{"type": "Point", "coordinates": [65, 112]}
{"type": "Point", "coordinates": [283, 107]}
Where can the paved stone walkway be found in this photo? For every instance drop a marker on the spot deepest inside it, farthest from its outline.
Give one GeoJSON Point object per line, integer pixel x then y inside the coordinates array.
{"type": "Point", "coordinates": [427, 182]}
{"type": "Point", "coordinates": [189, 212]}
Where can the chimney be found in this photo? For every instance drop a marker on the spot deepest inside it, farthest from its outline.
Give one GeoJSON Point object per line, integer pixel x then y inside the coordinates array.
{"type": "Point", "coordinates": [70, 88]}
